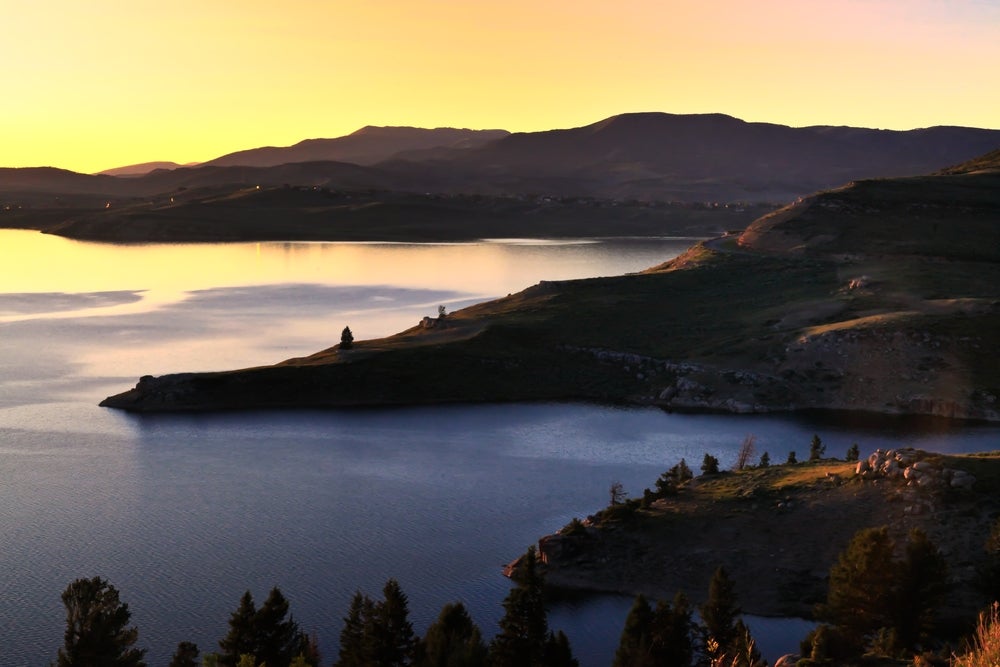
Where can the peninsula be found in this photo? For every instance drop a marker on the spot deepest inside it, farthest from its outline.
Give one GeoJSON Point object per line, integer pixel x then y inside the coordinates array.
{"type": "Point", "coordinates": [879, 296]}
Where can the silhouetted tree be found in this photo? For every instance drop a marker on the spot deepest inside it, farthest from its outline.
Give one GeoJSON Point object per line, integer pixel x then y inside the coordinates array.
{"type": "Point", "coordinates": [922, 587]}
{"type": "Point", "coordinates": [853, 452]}
{"type": "Point", "coordinates": [743, 651]}
{"type": "Point", "coordinates": [241, 638]}
{"type": "Point", "coordinates": [791, 458]}
{"type": "Point", "coordinates": [672, 644]}
{"type": "Point", "coordinates": [524, 629]}
{"type": "Point", "coordinates": [453, 640]}
{"type": "Point", "coordinates": [394, 640]}
{"type": "Point", "coordinates": [816, 448]}
{"type": "Point", "coordinates": [186, 655]}
{"type": "Point", "coordinates": [861, 589]}
{"type": "Point", "coordinates": [278, 639]}
{"type": "Point", "coordinates": [346, 339]}
{"type": "Point", "coordinates": [97, 631]}
{"type": "Point", "coordinates": [617, 493]}
{"type": "Point", "coordinates": [765, 460]}
{"type": "Point", "coordinates": [709, 465]}
{"type": "Point", "coordinates": [558, 652]}
{"type": "Point", "coordinates": [356, 648]}
{"type": "Point", "coordinates": [719, 614]}
{"type": "Point", "coordinates": [635, 644]}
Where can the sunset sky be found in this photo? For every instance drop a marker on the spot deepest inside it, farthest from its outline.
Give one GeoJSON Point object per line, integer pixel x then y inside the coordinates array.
{"type": "Point", "coordinates": [104, 83]}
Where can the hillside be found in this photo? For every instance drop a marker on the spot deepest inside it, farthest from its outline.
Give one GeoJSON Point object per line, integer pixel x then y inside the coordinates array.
{"type": "Point", "coordinates": [884, 311]}
{"type": "Point", "coordinates": [771, 529]}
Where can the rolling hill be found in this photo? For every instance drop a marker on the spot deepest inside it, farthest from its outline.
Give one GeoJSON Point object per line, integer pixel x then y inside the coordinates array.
{"type": "Point", "coordinates": [888, 304]}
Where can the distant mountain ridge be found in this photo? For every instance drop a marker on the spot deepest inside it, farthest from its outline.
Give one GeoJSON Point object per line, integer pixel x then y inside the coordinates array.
{"type": "Point", "coordinates": [367, 146]}
{"type": "Point", "coordinates": [645, 156]}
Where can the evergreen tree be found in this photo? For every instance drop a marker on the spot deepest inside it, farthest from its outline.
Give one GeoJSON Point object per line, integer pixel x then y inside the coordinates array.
{"type": "Point", "coordinates": [186, 655]}
{"type": "Point", "coordinates": [346, 342]}
{"type": "Point", "coordinates": [393, 638]}
{"type": "Point", "coordinates": [853, 452]}
{"type": "Point", "coordinates": [97, 631]}
{"type": "Point", "coordinates": [524, 627]}
{"type": "Point", "coordinates": [816, 448]}
{"type": "Point", "coordinates": [709, 465]}
{"type": "Point", "coordinates": [672, 644]}
{"type": "Point", "coordinates": [743, 651]}
{"type": "Point", "coordinates": [765, 460]}
{"type": "Point", "coordinates": [355, 640]}
{"type": "Point", "coordinates": [634, 646]}
{"type": "Point", "coordinates": [558, 652]}
{"type": "Point", "coordinates": [453, 640]}
{"type": "Point", "coordinates": [922, 587]}
{"type": "Point", "coordinates": [719, 614]}
{"type": "Point", "coordinates": [861, 589]}
{"type": "Point", "coordinates": [791, 458]}
{"type": "Point", "coordinates": [277, 639]}
{"type": "Point", "coordinates": [241, 638]}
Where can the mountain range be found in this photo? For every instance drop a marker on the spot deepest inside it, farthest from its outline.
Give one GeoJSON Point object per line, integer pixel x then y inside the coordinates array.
{"type": "Point", "coordinates": [645, 156]}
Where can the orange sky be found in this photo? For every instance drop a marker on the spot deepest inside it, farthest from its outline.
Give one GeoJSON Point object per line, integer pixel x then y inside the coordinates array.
{"type": "Point", "coordinates": [104, 83]}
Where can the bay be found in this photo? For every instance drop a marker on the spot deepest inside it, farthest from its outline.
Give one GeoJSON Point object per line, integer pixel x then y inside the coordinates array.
{"type": "Point", "coordinates": [182, 513]}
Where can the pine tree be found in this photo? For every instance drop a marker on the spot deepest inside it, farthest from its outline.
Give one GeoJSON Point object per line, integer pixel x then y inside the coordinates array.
{"type": "Point", "coordinates": [524, 628]}
{"type": "Point", "coordinates": [921, 589]}
{"type": "Point", "coordinates": [791, 458]}
{"type": "Point", "coordinates": [355, 642]}
{"type": "Point", "coordinates": [346, 339]}
{"type": "Point", "coordinates": [853, 452]}
{"type": "Point", "coordinates": [394, 640]}
{"type": "Point", "coordinates": [186, 655]}
{"type": "Point", "coordinates": [861, 589]}
{"type": "Point", "coordinates": [453, 640]}
{"type": "Point", "coordinates": [558, 652]}
{"type": "Point", "coordinates": [635, 643]}
{"type": "Point", "coordinates": [743, 651]}
{"type": "Point", "coordinates": [816, 448]}
{"type": "Point", "coordinates": [719, 613]}
{"type": "Point", "coordinates": [765, 460]}
{"type": "Point", "coordinates": [709, 465]}
{"type": "Point", "coordinates": [97, 631]}
{"type": "Point", "coordinates": [672, 645]}
{"type": "Point", "coordinates": [277, 639]}
{"type": "Point", "coordinates": [241, 638]}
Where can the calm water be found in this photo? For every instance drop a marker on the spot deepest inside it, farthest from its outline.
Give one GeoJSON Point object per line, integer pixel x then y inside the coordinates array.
{"type": "Point", "coordinates": [184, 513]}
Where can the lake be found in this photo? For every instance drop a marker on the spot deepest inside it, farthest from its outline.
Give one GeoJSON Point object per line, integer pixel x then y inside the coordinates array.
{"type": "Point", "coordinates": [183, 513]}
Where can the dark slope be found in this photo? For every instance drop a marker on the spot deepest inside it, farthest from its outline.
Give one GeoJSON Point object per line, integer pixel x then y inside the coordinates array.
{"type": "Point", "coordinates": [858, 321]}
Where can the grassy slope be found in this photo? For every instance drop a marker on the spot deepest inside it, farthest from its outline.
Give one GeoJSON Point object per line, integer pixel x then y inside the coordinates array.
{"type": "Point", "coordinates": [777, 531]}
{"type": "Point", "coordinates": [766, 321]}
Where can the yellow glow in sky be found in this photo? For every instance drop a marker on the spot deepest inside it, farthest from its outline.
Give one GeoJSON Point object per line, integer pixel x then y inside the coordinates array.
{"type": "Point", "coordinates": [104, 83]}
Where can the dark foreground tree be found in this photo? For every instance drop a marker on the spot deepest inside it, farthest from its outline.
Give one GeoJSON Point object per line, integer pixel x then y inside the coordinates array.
{"type": "Point", "coordinates": [186, 655]}
{"type": "Point", "coordinates": [241, 638]}
{"type": "Point", "coordinates": [921, 589]}
{"type": "Point", "coordinates": [524, 628]}
{"type": "Point", "coordinates": [378, 633]}
{"type": "Point", "coordinates": [453, 640]}
{"type": "Point", "coordinates": [660, 638]}
{"type": "Point", "coordinates": [97, 631]}
{"type": "Point", "coordinates": [719, 614]}
{"type": "Point", "coordinates": [859, 598]}
{"type": "Point", "coordinates": [709, 465]}
{"type": "Point", "coordinates": [264, 634]}
{"type": "Point", "coordinates": [634, 647]}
